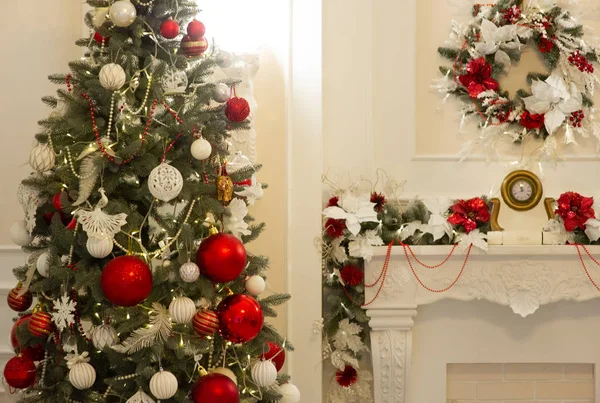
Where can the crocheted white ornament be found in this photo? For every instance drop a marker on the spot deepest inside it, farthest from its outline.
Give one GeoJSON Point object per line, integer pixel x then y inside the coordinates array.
{"type": "Point", "coordinates": [165, 182]}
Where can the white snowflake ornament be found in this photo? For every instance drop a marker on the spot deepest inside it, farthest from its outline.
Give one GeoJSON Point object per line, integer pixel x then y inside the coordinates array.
{"type": "Point", "coordinates": [64, 312]}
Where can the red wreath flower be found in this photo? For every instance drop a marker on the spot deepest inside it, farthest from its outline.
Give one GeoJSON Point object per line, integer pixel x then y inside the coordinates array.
{"type": "Point", "coordinates": [379, 200]}
{"type": "Point", "coordinates": [546, 45]}
{"type": "Point", "coordinates": [352, 275]}
{"type": "Point", "coordinates": [469, 213]}
{"type": "Point", "coordinates": [333, 202]}
{"type": "Point", "coordinates": [532, 121]}
{"type": "Point", "coordinates": [335, 228]}
{"type": "Point", "coordinates": [347, 377]}
{"type": "Point", "coordinates": [512, 14]}
{"type": "Point", "coordinates": [478, 77]}
{"type": "Point", "coordinates": [575, 210]}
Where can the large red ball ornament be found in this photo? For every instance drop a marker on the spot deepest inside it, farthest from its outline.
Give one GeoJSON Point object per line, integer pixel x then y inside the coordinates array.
{"type": "Point", "coordinates": [169, 29]}
{"type": "Point", "coordinates": [237, 109]}
{"type": "Point", "coordinates": [240, 318]}
{"type": "Point", "coordinates": [196, 30]}
{"type": "Point", "coordinates": [19, 303]}
{"type": "Point", "coordinates": [34, 353]}
{"type": "Point", "coordinates": [126, 281]}
{"type": "Point", "coordinates": [221, 258]}
{"type": "Point", "coordinates": [206, 323]}
{"type": "Point", "coordinates": [20, 372]}
{"type": "Point", "coordinates": [193, 47]}
{"type": "Point", "coordinates": [215, 388]}
{"type": "Point", "coordinates": [276, 354]}
{"type": "Point", "coordinates": [40, 324]}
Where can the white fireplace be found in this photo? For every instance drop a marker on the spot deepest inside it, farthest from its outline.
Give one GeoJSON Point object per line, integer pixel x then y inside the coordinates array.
{"type": "Point", "coordinates": [513, 305]}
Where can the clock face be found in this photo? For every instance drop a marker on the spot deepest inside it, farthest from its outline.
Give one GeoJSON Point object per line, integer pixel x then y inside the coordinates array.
{"type": "Point", "coordinates": [522, 190]}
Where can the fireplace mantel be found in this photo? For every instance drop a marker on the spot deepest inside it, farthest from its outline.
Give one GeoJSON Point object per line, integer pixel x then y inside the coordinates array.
{"type": "Point", "coordinates": [522, 278]}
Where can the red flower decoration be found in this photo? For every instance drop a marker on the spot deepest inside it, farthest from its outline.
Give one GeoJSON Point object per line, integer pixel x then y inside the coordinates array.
{"type": "Point", "coordinates": [335, 228]}
{"type": "Point", "coordinates": [531, 121]}
{"type": "Point", "coordinates": [575, 210]}
{"type": "Point", "coordinates": [478, 77]}
{"type": "Point", "coordinates": [333, 202]}
{"type": "Point", "coordinates": [546, 45]}
{"type": "Point", "coordinates": [347, 377]}
{"type": "Point", "coordinates": [469, 213]}
{"type": "Point", "coordinates": [512, 14]}
{"type": "Point", "coordinates": [352, 275]}
{"type": "Point", "coordinates": [379, 200]}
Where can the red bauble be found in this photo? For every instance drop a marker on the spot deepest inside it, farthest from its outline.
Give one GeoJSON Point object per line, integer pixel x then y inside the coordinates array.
{"type": "Point", "coordinates": [20, 372]}
{"type": "Point", "coordinates": [99, 38]}
{"type": "Point", "coordinates": [206, 323]}
{"type": "Point", "coordinates": [240, 318]}
{"type": "Point", "coordinates": [126, 281]}
{"type": "Point", "coordinates": [40, 324]}
{"type": "Point", "coordinates": [221, 258]}
{"type": "Point", "coordinates": [347, 377]}
{"type": "Point", "coordinates": [34, 353]}
{"type": "Point", "coordinates": [215, 388]}
{"type": "Point", "coordinates": [193, 47]}
{"type": "Point", "coordinates": [56, 201]}
{"type": "Point", "coordinates": [169, 29]}
{"type": "Point", "coordinates": [72, 224]}
{"type": "Point", "coordinates": [276, 354]}
{"type": "Point", "coordinates": [237, 109]}
{"type": "Point", "coordinates": [196, 30]}
{"type": "Point", "coordinates": [19, 303]}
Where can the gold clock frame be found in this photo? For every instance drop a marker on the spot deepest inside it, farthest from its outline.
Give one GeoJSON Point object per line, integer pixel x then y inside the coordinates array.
{"type": "Point", "coordinates": [527, 176]}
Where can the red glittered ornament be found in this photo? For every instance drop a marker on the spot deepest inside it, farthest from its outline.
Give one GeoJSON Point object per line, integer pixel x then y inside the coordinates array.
{"type": "Point", "coordinates": [40, 324]}
{"type": "Point", "coordinates": [237, 109]}
{"type": "Point", "coordinates": [169, 29]}
{"type": "Point", "coordinates": [276, 354]}
{"type": "Point", "coordinates": [19, 303]}
{"type": "Point", "coordinates": [240, 318]}
{"type": "Point", "coordinates": [34, 353]}
{"type": "Point", "coordinates": [193, 47]}
{"type": "Point", "coordinates": [347, 377]}
{"type": "Point", "coordinates": [221, 258]}
{"type": "Point", "coordinates": [196, 30]}
{"type": "Point", "coordinates": [215, 388]}
{"type": "Point", "coordinates": [206, 323]}
{"type": "Point", "coordinates": [20, 372]}
{"type": "Point", "coordinates": [126, 281]}
{"type": "Point", "coordinates": [99, 38]}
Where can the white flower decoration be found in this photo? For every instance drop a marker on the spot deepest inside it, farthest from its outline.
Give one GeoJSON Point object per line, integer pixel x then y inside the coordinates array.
{"type": "Point", "coordinates": [233, 222]}
{"type": "Point", "coordinates": [409, 229]}
{"type": "Point", "coordinates": [362, 245]}
{"type": "Point", "coordinates": [476, 238]}
{"type": "Point", "coordinates": [354, 210]}
{"type": "Point", "coordinates": [252, 193]}
{"type": "Point", "coordinates": [338, 252]}
{"type": "Point", "coordinates": [438, 224]}
{"type": "Point", "coordinates": [592, 229]}
{"type": "Point", "coordinates": [494, 38]}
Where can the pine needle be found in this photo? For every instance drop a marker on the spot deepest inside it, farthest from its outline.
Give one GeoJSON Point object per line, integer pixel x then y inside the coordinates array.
{"type": "Point", "coordinates": [159, 329]}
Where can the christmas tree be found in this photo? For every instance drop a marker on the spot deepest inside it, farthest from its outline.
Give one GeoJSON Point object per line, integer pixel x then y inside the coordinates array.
{"type": "Point", "coordinates": [138, 285]}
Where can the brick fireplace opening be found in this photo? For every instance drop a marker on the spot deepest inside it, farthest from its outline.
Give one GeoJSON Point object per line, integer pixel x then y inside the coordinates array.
{"type": "Point", "coordinates": [523, 383]}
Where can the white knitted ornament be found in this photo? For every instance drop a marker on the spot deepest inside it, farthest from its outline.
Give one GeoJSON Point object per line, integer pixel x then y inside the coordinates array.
{"type": "Point", "coordinates": [165, 182]}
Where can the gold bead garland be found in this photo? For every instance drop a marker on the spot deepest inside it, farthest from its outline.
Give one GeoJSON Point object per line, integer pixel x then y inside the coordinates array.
{"type": "Point", "coordinates": [72, 166]}
{"type": "Point", "coordinates": [146, 96]}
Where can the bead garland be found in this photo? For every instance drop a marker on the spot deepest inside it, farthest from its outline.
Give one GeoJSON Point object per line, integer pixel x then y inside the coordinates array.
{"type": "Point", "coordinates": [170, 146]}
{"type": "Point", "coordinates": [434, 266]}
{"type": "Point", "coordinates": [118, 378]}
{"type": "Point", "coordinates": [68, 81]}
{"type": "Point", "coordinates": [589, 276]}
{"type": "Point", "coordinates": [44, 365]}
{"type": "Point", "coordinates": [72, 166]}
{"type": "Point", "coordinates": [145, 3]}
{"type": "Point", "coordinates": [110, 114]}
{"type": "Point", "coordinates": [78, 318]}
{"type": "Point", "coordinates": [172, 112]}
{"type": "Point", "coordinates": [146, 96]}
{"type": "Point", "coordinates": [72, 248]}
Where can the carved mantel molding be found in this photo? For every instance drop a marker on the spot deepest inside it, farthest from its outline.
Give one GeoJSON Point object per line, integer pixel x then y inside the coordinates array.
{"type": "Point", "coordinates": [520, 277]}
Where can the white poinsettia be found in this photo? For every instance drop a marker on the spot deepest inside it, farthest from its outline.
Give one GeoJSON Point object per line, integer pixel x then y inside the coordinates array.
{"type": "Point", "coordinates": [476, 238]}
{"type": "Point", "coordinates": [354, 210]}
{"type": "Point", "coordinates": [557, 226]}
{"type": "Point", "coordinates": [438, 224]}
{"type": "Point", "coordinates": [409, 229]}
{"type": "Point", "coordinates": [338, 252]}
{"type": "Point", "coordinates": [553, 99]}
{"type": "Point", "coordinates": [348, 337]}
{"type": "Point", "coordinates": [233, 221]}
{"type": "Point", "coordinates": [494, 38]}
{"type": "Point", "coordinates": [592, 229]}
{"type": "Point", "coordinates": [361, 245]}
{"type": "Point", "coordinates": [252, 193]}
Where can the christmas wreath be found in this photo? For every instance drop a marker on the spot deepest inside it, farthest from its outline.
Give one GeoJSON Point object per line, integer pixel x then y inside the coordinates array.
{"type": "Point", "coordinates": [557, 104]}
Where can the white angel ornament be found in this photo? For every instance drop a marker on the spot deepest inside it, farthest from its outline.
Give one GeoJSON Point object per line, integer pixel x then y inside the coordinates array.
{"type": "Point", "coordinates": [98, 224]}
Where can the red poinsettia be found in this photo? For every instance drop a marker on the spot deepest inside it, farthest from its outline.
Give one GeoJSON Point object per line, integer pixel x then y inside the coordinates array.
{"type": "Point", "coordinates": [575, 210]}
{"type": "Point", "coordinates": [469, 213]}
{"type": "Point", "coordinates": [478, 77]}
{"type": "Point", "coordinates": [333, 202]}
{"type": "Point", "coordinates": [347, 377]}
{"type": "Point", "coordinates": [546, 45]}
{"type": "Point", "coordinates": [379, 200]}
{"type": "Point", "coordinates": [532, 121]}
{"type": "Point", "coordinates": [352, 275]}
{"type": "Point", "coordinates": [335, 228]}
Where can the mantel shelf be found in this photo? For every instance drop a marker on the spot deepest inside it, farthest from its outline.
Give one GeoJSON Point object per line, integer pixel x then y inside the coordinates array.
{"type": "Point", "coordinates": [494, 250]}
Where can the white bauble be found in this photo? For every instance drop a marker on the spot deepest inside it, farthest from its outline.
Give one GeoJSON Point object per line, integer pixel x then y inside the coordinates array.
{"type": "Point", "coordinates": [182, 310]}
{"type": "Point", "coordinates": [99, 247]}
{"type": "Point", "coordinates": [165, 182]}
{"type": "Point", "coordinates": [221, 93]}
{"type": "Point", "coordinates": [104, 335]}
{"type": "Point", "coordinates": [99, 16]}
{"type": "Point", "coordinates": [112, 76]}
{"type": "Point", "coordinates": [290, 393]}
{"type": "Point", "coordinates": [42, 158]}
{"type": "Point", "coordinates": [140, 397]}
{"type": "Point", "coordinates": [264, 373]}
{"type": "Point", "coordinates": [189, 272]}
{"type": "Point", "coordinates": [122, 13]}
{"type": "Point", "coordinates": [224, 371]}
{"type": "Point", "coordinates": [42, 265]}
{"type": "Point", "coordinates": [82, 376]}
{"type": "Point", "coordinates": [201, 149]}
{"type": "Point", "coordinates": [224, 59]}
{"type": "Point", "coordinates": [163, 385]}
{"type": "Point", "coordinates": [19, 234]}
{"type": "Point", "coordinates": [255, 285]}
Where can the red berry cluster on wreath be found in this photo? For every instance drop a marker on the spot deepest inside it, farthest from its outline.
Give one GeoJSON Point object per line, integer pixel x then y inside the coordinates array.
{"type": "Point", "coordinates": [512, 14]}
{"type": "Point", "coordinates": [576, 118]}
{"type": "Point", "coordinates": [578, 60]}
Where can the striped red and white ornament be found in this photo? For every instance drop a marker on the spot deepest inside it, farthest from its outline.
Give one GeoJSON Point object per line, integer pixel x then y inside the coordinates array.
{"type": "Point", "coordinates": [40, 324]}
{"type": "Point", "coordinates": [193, 47]}
{"type": "Point", "coordinates": [206, 323]}
{"type": "Point", "coordinates": [19, 303]}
